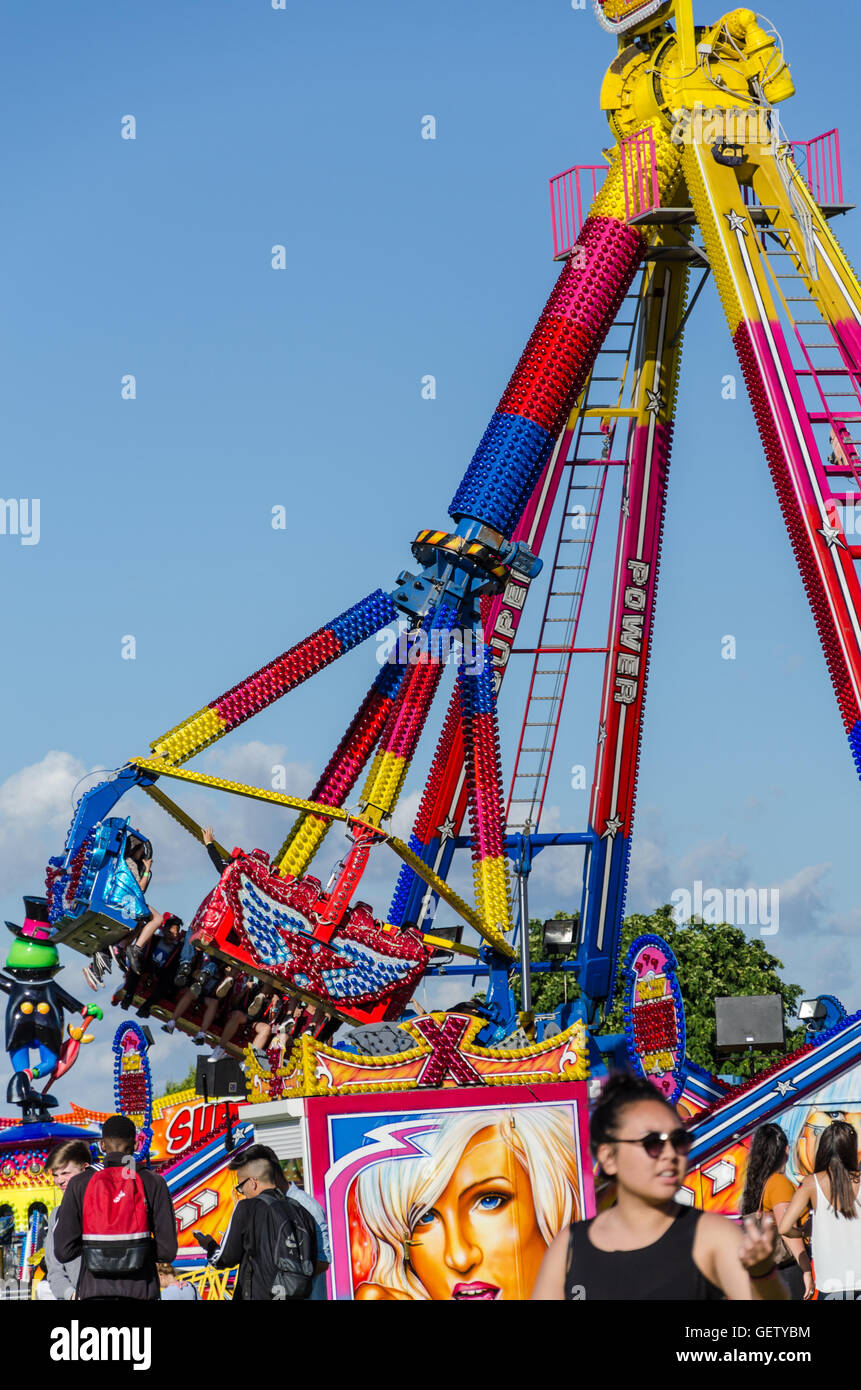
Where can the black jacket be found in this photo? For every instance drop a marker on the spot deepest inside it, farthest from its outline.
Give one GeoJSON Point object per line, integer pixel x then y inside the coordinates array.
{"type": "Point", "coordinates": [68, 1237]}
{"type": "Point", "coordinates": [220, 864]}
{"type": "Point", "coordinates": [30, 1028]}
{"type": "Point", "coordinates": [249, 1242]}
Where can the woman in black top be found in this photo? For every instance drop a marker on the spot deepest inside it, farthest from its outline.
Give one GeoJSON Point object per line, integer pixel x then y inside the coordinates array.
{"type": "Point", "coordinates": [647, 1246]}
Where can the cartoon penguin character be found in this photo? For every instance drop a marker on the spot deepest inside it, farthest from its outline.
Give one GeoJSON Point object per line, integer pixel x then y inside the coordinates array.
{"type": "Point", "coordinates": [34, 1013]}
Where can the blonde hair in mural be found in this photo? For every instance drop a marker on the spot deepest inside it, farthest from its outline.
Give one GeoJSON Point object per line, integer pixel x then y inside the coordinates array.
{"type": "Point", "coordinates": [394, 1194]}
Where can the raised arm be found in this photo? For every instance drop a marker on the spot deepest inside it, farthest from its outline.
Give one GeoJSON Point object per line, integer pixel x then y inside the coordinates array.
{"type": "Point", "coordinates": [740, 1259]}
{"type": "Point", "coordinates": [209, 840]}
{"type": "Point", "coordinates": [797, 1249]}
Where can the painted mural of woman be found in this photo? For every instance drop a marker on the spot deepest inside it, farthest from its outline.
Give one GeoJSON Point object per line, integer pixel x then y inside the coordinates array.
{"type": "Point", "coordinates": [473, 1217]}
{"type": "Point", "coordinates": [806, 1123]}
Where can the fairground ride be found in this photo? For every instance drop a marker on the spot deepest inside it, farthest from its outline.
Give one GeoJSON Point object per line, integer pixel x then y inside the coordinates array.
{"type": "Point", "coordinates": [700, 181]}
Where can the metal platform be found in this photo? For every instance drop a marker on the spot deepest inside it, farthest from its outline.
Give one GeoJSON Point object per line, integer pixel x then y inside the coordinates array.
{"type": "Point", "coordinates": [90, 932]}
{"type": "Point", "coordinates": [695, 254]}
{"type": "Point", "coordinates": [758, 214]}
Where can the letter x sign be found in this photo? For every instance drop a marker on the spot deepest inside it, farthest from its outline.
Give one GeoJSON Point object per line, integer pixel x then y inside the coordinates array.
{"type": "Point", "coordinates": [445, 1059]}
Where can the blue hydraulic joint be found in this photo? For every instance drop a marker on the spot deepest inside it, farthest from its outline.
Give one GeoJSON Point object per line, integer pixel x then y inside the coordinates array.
{"type": "Point", "coordinates": [500, 1001]}
{"type": "Point", "coordinates": [463, 565]}
{"type": "Point", "coordinates": [601, 911]}
{"type": "Point", "coordinates": [522, 866]}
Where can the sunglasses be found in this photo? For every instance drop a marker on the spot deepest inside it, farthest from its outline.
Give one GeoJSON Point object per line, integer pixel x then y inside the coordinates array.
{"type": "Point", "coordinates": [653, 1142]}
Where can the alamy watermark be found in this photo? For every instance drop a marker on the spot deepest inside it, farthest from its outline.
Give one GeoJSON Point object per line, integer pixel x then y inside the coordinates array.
{"type": "Point", "coordinates": [734, 125]}
{"type": "Point", "coordinates": [847, 516]}
{"type": "Point", "coordinates": [21, 517]}
{"type": "Point", "coordinates": [740, 907]}
{"type": "Point", "coordinates": [402, 647]}
{"type": "Point", "coordinates": [82, 1343]}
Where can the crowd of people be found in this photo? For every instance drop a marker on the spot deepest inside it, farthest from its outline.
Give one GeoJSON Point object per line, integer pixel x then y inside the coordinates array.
{"type": "Point", "coordinates": [113, 1235]}
{"type": "Point", "coordinates": [649, 1246]}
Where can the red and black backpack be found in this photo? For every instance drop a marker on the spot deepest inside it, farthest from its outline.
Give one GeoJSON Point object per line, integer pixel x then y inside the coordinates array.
{"type": "Point", "coordinates": [116, 1224]}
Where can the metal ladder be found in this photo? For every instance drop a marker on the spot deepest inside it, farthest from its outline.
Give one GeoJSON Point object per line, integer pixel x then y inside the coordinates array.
{"type": "Point", "coordinates": [831, 379]}
{"type": "Point", "coordinates": [556, 646]}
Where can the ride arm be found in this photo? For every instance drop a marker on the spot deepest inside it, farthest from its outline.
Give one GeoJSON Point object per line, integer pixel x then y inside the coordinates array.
{"type": "Point", "coordinates": [288, 670]}
{"type": "Point", "coordinates": [521, 454]}
{"type": "Point", "coordinates": [96, 805]}
{"type": "Point", "coordinates": [751, 290]}
{"type": "Point", "coordinates": [553, 369]}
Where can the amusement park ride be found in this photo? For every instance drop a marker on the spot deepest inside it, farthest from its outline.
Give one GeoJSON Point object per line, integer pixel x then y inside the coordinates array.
{"type": "Point", "coordinates": [700, 181]}
{"type": "Point", "coordinates": [569, 415]}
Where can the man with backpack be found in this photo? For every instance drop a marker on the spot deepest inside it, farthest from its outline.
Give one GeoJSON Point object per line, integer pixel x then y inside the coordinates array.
{"type": "Point", "coordinates": [119, 1219]}
{"type": "Point", "coordinates": [272, 1238]}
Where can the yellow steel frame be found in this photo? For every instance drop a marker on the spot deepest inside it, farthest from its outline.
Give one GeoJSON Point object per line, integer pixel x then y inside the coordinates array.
{"type": "Point", "coordinates": [402, 850]}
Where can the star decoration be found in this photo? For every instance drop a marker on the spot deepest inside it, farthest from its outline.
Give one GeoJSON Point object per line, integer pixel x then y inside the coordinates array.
{"type": "Point", "coordinates": [626, 506]}
{"type": "Point", "coordinates": [655, 402]}
{"type": "Point", "coordinates": [786, 1086]}
{"type": "Point", "coordinates": [602, 734]}
{"type": "Point", "coordinates": [612, 827]}
{"type": "Point", "coordinates": [446, 830]}
{"type": "Point", "coordinates": [736, 222]}
{"type": "Point", "coordinates": [832, 535]}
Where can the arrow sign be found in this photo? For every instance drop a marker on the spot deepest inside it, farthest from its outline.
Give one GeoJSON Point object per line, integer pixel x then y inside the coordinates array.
{"type": "Point", "coordinates": [720, 1174]}
{"type": "Point", "coordinates": [207, 1201]}
{"type": "Point", "coordinates": [195, 1207]}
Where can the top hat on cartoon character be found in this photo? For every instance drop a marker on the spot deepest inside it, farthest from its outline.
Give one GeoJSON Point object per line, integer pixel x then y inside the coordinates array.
{"type": "Point", "coordinates": [32, 955]}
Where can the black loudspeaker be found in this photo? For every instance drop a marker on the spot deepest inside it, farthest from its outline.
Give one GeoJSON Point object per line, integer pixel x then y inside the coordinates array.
{"type": "Point", "coordinates": [217, 1079]}
{"type": "Point", "coordinates": [749, 1020]}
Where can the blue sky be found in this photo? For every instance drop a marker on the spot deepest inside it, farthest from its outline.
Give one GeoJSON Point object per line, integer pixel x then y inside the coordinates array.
{"type": "Point", "coordinates": [257, 388]}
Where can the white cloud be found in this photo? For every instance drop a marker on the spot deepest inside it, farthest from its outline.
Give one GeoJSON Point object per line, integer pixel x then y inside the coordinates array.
{"type": "Point", "coordinates": [717, 863]}
{"type": "Point", "coordinates": [649, 870]}
{"type": "Point", "coordinates": [803, 908]}
{"type": "Point", "coordinates": [35, 809]}
{"type": "Point", "coordinates": [255, 762]}
{"type": "Point", "coordinates": [40, 794]}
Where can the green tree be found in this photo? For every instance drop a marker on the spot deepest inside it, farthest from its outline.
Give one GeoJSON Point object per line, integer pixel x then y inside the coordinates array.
{"type": "Point", "coordinates": [186, 1084]}
{"type": "Point", "coordinates": [713, 959]}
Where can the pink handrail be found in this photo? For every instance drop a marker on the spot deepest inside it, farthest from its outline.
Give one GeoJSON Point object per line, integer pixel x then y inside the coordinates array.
{"type": "Point", "coordinates": [568, 205]}
{"type": "Point", "coordinates": [823, 172]}
{"type": "Point", "coordinates": [640, 173]}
